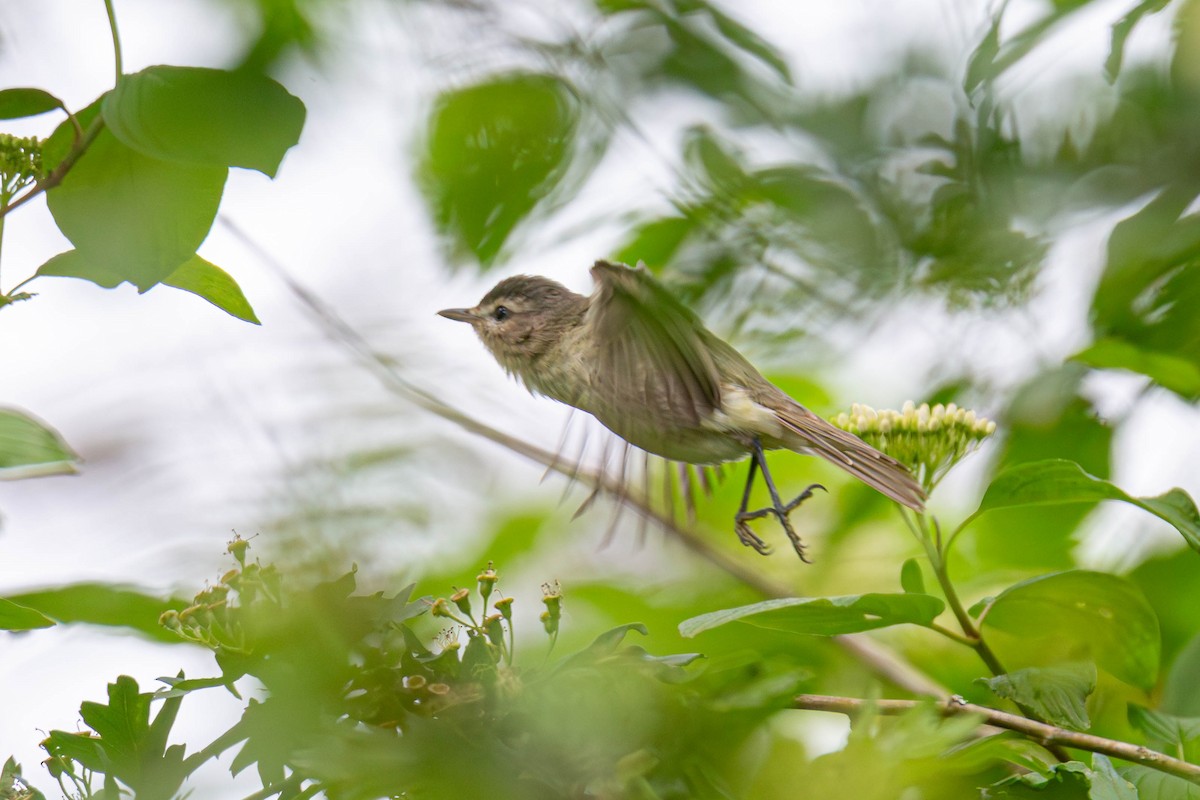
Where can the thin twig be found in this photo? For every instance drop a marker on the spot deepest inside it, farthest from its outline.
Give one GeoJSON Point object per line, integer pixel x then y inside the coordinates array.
{"type": "Point", "coordinates": [1045, 734]}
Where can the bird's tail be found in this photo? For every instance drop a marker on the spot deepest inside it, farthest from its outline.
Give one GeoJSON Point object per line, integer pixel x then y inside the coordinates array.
{"type": "Point", "coordinates": [811, 434]}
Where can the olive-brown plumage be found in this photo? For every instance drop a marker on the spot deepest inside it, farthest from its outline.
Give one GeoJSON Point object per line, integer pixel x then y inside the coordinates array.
{"type": "Point", "coordinates": [645, 366]}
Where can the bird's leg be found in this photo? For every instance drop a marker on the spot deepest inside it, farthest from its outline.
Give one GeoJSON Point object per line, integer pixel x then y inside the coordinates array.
{"type": "Point", "coordinates": [777, 507]}
{"type": "Point", "coordinates": [743, 517]}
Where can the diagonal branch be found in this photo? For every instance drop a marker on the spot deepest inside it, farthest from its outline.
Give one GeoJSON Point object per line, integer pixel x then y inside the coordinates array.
{"type": "Point", "coordinates": [1048, 735]}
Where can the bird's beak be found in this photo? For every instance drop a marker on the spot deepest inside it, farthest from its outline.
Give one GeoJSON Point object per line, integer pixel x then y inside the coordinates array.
{"type": "Point", "coordinates": [460, 314]}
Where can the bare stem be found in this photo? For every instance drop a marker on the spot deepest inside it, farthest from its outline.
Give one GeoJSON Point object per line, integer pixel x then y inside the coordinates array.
{"type": "Point", "coordinates": [112, 26]}
{"type": "Point", "coordinates": [1047, 735]}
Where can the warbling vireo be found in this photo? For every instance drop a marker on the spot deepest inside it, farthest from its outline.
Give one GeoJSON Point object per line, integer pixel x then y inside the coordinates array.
{"type": "Point", "coordinates": [645, 366]}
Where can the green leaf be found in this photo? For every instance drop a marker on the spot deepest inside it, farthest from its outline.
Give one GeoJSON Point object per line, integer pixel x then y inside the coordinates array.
{"type": "Point", "coordinates": [1120, 33]}
{"type": "Point", "coordinates": [206, 117]}
{"type": "Point", "coordinates": [72, 265]}
{"type": "Point", "coordinates": [1152, 784]}
{"type": "Point", "coordinates": [1166, 732]}
{"type": "Point", "coordinates": [1057, 481]}
{"type": "Point", "coordinates": [135, 216]}
{"type": "Point", "coordinates": [213, 284]}
{"type": "Point", "coordinates": [824, 616]}
{"type": "Point", "coordinates": [13, 786]}
{"type": "Point", "coordinates": [102, 604]}
{"type": "Point", "coordinates": [1055, 694]}
{"type": "Point", "coordinates": [122, 723]}
{"type": "Point", "coordinates": [911, 579]}
{"type": "Point", "coordinates": [656, 242]}
{"type": "Point", "coordinates": [1107, 783]}
{"type": "Point", "coordinates": [1179, 692]}
{"type": "Point", "coordinates": [1166, 369]}
{"type": "Point", "coordinates": [27, 102]}
{"type": "Point", "coordinates": [1069, 781]}
{"type": "Point", "coordinates": [1076, 615]}
{"type": "Point", "coordinates": [30, 448]}
{"type": "Point", "coordinates": [16, 617]}
{"type": "Point", "coordinates": [495, 151]}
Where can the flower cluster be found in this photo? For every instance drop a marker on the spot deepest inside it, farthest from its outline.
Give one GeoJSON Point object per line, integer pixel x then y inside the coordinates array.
{"type": "Point", "coordinates": [20, 164]}
{"type": "Point", "coordinates": [930, 440]}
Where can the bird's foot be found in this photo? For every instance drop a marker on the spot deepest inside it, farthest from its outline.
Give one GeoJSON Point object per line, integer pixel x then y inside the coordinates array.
{"type": "Point", "coordinates": [751, 539]}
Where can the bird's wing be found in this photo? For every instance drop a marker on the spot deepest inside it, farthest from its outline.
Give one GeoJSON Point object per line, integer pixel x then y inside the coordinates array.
{"type": "Point", "coordinates": [845, 450]}
{"type": "Point", "coordinates": [651, 359]}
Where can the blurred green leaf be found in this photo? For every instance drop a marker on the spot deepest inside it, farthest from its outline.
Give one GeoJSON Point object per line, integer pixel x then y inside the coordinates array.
{"type": "Point", "coordinates": [13, 786]}
{"type": "Point", "coordinates": [1169, 371]}
{"type": "Point", "coordinates": [824, 616]}
{"type": "Point", "coordinates": [495, 150]}
{"type": "Point", "coordinates": [16, 617]}
{"type": "Point", "coordinates": [213, 284]}
{"type": "Point", "coordinates": [30, 448]}
{"type": "Point", "coordinates": [1179, 693]}
{"type": "Point", "coordinates": [1054, 694]}
{"type": "Point", "coordinates": [104, 604]}
{"type": "Point", "coordinates": [1168, 733]}
{"type": "Point", "coordinates": [1069, 781]}
{"type": "Point", "coordinates": [1152, 784]}
{"type": "Point", "coordinates": [1058, 481]}
{"type": "Point", "coordinates": [72, 265]}
{"type": "Point", "coordinates": [1120, 33]}
{"type": "Point", "coordinates": [1169, 583]}
{"type": "Point", "coordinates": [136, 216]}
{"type": "Point", "coordinates": [656, 242]}
{"type": "Point", "coordinates": [26, 102]}
{"type": "Point", "coordinates": [911, 579]}
{"type": "Point", "coordinates": [1149, 287]}
{"type": "Point", "coordinates": [205, 117]}
{"type": "Point", "coordinates": [1076, 615]}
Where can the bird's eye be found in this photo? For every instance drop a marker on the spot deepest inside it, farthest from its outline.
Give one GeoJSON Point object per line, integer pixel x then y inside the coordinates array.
{"type": "Point", "coordinates": [500, 314]}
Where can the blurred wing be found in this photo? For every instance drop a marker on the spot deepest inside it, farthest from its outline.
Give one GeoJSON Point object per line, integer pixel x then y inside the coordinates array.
{"type": "Point", "coordinates": [653, 369]}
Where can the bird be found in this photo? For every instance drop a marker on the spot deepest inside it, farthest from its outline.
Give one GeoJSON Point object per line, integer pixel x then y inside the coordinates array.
{"type": "Point", "coordinates": [643, 364]}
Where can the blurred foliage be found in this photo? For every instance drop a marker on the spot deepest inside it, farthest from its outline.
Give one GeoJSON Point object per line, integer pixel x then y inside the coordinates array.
{"type": "Point", "coordinates": [788, 210]}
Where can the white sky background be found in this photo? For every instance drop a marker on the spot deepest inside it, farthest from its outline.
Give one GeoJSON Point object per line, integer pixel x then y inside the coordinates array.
{"type": "Point", "coordinates": [187, 419]}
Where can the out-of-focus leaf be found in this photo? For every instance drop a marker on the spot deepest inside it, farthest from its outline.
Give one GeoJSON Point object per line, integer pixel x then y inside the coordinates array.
{"type": "Point", "coordinates": [715, 160]}
{"type": "Point", "coordinates": [16, 617]}
{"type": "Point", "coordinates": [1167, 370]}
{"type": "Point", "coordinates": [72, 265]}
{"type": "Point", "coordinates": [824, 616]}
{"type": "Point", "coordinates": [1168, 733]}
{"type": "Point", "coordinates": [214, 284]}
{"type": "Point", "coordinates": [1078, 615]}
{"type": "Point", "coordinates": [656, 242]}
{"type": "Point", "coordinates": [1153, 784]}
{"type": "Point", "coordinates": [136, 216]}
{"type": "Point", "coordinates": [1055, 694]}
{"type": "Point", "coordinates": [911, 579]}
{"type": "Point", "coordinates": [1149, 287]}
{"type": "Point", "coordinates": [205, 117]}
{"type": "Point", "coordinates": [1046, 419]}
{"type": "Point", "coordinates": [1069, 781]}
{"type": "Point", "coordinates": [30, 448]}
{"type": "Point", "coordinates": [495, 150]}
{"type": "Point", "coordinates": [102, 604]}
{"type": "Point", "coordinates": [1107, 783]}
{"type": "Point", "coordinates": [26, 102]}
{"type": "Point", "coordinates": [1120, 33]}
{"type": "Point", "coordinates": [12, 785]}
{"type": "Point", "coordinates": [1179, 694]}
{"type": "Point", "coordinates": [1058, 481]}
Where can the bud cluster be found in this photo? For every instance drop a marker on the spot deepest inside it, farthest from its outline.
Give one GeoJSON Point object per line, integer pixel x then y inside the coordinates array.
{"type": "Point", "coordinates": [20, 164]}
{"type": "Point", "coordinates": [928, 439]}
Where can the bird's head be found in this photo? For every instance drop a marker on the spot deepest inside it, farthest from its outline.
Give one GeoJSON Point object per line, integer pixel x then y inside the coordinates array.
{"type": "Point", "coordinates": [522, 318]}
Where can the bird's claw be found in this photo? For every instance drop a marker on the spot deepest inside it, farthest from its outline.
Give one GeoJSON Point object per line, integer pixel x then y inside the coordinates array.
{"type": "Point", "coordinates": [751, 539]}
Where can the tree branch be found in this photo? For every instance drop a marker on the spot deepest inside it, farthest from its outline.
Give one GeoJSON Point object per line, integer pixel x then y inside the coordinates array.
{"type": "Point", "coordinates": [1045, 734]}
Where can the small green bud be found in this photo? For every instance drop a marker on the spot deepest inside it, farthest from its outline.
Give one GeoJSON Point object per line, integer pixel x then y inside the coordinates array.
{"type": "Point", "coordinates": [487, 581]}
{"type": "Point", "coordinates": [440, 689]}
{"type": "Point", "coordinates": [462, 599]}
{"type": "Point", "coordinates": [414, 683]}
{"type": "Point", "coordinates": [170, 620]}
{"type": "Point", "coordinates": [504, 606]}
{"type": "Point", "coordinates": [439, 608]}
{"type": "Point", "coordinates": [549, 622]}
{"type": "Point", "coordinates": [237, 548]}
